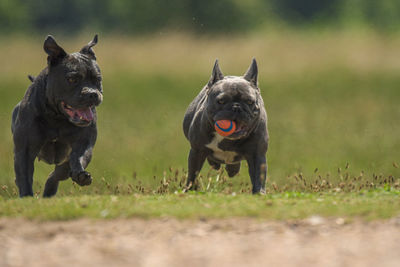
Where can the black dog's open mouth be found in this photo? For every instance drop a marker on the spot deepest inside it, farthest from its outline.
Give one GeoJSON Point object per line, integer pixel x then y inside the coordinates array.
{"type": "Point", "coordinates": [79, 116]}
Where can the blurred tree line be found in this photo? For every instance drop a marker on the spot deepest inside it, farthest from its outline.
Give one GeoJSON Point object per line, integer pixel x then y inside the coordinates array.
{"type": "Point", "coordinates": [199, 16]}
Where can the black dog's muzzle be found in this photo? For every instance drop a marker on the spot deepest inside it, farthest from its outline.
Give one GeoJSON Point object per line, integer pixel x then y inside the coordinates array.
{"type": "Point", "coordinates": [92, 95]}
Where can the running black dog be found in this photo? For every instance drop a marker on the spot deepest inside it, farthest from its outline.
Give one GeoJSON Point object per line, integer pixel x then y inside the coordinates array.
{"type": "Point", "coordinates": [56, 119]}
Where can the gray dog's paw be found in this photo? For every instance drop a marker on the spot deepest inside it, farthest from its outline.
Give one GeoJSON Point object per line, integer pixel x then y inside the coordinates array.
{"type": "Point", "coordinates": [82, 178]}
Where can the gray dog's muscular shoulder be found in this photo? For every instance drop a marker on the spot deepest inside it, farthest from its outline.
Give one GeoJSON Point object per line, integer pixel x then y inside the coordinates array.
{"type": "Point", "coordinates": [194, 112]}
{"type": "Point", "coordinates": [236, 99]}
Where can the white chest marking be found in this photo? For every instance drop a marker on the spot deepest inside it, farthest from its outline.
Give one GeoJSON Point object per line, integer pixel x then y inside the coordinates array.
{"type": "Point", "coordinates": [226, 156]}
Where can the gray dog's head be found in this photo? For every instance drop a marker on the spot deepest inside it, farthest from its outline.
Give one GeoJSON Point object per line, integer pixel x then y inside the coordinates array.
{"type": "Point", "coordinates": [235, 98]}
{"type": "Point", "coordinates": [74, 82]}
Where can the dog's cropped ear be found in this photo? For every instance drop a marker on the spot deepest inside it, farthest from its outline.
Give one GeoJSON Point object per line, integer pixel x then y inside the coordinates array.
{"type": "Point", "coordinates": [252, 73]}
{"type": "Point", "coordinates": [54, 51]}
{"type": "Point", "coordinates": [216, 75]}
{"type": "Point", "coordinates": [87, 49]}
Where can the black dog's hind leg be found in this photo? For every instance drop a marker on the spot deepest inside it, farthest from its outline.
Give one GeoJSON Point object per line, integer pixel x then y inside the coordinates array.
{"type": "Point", "coordinates": [232, 169]}
{"type": "Point", "coordinates": [258, 173]}
{"type": "Point", "coordinates": [195, 162]}
{"type": "Point", "coordinates": [60, 173]}
{"type": "Point", "coordinates": [78, 161]}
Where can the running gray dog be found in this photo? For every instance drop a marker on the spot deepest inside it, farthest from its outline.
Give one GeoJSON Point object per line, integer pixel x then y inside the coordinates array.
{"type": "Point", "coordinates": [229, 98]}
{"type": "Point", "coordinates": [56, 120]}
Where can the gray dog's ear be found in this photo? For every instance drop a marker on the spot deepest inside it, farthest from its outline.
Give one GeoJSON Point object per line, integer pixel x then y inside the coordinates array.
{"type": "Point", "coordinates": [252, 73]}
{"type": "Point", "coordinates": [216, 74]}
{"type": "Point", "coordinates": [87, 49]}
{"type": "Point", "coordinates": [54, 51]}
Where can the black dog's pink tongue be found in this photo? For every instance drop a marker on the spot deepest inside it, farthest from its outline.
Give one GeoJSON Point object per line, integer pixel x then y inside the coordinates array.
{"type": "Point", "coordinates": [85, 114]}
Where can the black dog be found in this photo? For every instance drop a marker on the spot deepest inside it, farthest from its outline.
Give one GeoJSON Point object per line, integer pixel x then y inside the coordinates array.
{"type": "Point", "coordinates": [229, 98]}
{"type": "Point", "coordinates": [56, 119]}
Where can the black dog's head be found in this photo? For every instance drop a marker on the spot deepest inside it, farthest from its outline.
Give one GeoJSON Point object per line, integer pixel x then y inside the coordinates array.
{"type": "Point", "coordinates": [235, 98]}
{"type": "Point", "coordinates": [74, 82]}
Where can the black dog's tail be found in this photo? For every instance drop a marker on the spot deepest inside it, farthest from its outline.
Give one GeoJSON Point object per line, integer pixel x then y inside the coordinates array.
{"type": "Point", "coordinates": [31, 78]}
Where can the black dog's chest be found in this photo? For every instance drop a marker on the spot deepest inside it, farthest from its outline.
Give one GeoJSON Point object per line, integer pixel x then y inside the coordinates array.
{"type": "Point", "coordinates": [61, 130]}
{"type": "Point", "coordinates": [55, 152]}
{"type": "Point", "coordinates": [57, 147]}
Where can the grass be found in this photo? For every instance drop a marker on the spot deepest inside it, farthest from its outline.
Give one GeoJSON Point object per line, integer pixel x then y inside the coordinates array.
{"type": "Point", "coordinates": [332, 101]}
{"type": "Point", "coordinates": [286, 206]}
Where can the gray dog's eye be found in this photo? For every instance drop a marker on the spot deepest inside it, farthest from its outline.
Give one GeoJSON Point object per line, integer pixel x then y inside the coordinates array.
{"type": "Point", "coordinates": [250, 102]}
{"type": "Point", "coordinates": [221, 102]}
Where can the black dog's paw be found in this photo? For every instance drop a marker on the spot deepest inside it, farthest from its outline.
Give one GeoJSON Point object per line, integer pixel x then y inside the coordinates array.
{"type": "Point", "coordinates": [82, 178]}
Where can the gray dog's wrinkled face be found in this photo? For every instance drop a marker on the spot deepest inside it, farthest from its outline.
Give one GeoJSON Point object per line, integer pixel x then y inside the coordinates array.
{"type": "Point", "coordinates": [234, 98]}
{"type": "Point", "coordinates": [74, 82]}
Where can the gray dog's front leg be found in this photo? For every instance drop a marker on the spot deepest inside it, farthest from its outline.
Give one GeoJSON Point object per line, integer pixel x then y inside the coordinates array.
{"type": "Point", "coordinates": [258, 173]}
{"type": "Point", "coordinates": [196, 161]}
{"type": "Point", "coordinates": [79, 160]}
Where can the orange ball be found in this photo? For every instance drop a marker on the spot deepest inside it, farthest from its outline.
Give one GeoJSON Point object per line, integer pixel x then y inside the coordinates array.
{"type": "Point", "coordinates": [225, 127]}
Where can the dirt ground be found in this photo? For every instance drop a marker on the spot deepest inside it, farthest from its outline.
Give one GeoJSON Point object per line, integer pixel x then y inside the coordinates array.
{"type": "Point", "coordinates": [169, 242]}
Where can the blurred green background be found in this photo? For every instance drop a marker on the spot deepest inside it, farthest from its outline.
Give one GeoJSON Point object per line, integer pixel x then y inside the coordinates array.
{"type": "Point", "coordinates": [329, 75]}
{"type": "Point", "coordinates": [206, 16]}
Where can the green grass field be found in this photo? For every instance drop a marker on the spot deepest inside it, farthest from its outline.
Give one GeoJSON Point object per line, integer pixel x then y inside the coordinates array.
{"type": "Point", "coordinates": [333, 106]}
{"type": "Point", "coordinates": [285, 206]}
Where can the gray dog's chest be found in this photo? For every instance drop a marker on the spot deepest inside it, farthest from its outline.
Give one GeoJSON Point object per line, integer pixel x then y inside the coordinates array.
{"type": "Point", "coordinates": [228, 157]}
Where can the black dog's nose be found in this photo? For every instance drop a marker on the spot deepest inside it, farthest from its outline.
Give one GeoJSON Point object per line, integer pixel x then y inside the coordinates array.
{"type": "Point", "coordinates": [236, 107]}
{"type": "Point", "coordinates": [90, 93]}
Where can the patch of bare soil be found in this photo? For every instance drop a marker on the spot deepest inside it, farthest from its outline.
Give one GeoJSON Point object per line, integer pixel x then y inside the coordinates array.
{"type": "Point", "coordinates": [169, 242]}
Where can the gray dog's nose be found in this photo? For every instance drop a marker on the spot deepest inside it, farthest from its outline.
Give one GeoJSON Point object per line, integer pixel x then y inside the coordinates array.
{"type": "Point", "coordinates": [236, 107]}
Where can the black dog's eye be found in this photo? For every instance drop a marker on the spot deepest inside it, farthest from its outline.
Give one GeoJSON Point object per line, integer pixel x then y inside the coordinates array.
{"type": "Point", "coordinates": [250, 102]}
{"type": "Point", "coordinates": [72, 80]}
{"type": "Point", "coordinates": [221, 102]}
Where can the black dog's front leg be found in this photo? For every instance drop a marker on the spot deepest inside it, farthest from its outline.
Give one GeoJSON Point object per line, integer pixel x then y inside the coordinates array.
{"type": "Point", "coordinates": [79, 159]}
{"type": "Point", "coordinates": [195, 162]}
{"type": "Point", "coordinates": [258, 172]}
{"type": "Point", "coordinates": [26, 148]}
{"type": "Point", "coordinates": [24, 166]}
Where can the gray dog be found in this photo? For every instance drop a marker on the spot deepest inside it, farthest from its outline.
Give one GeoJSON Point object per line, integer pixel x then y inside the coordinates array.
{"type": "Point", "coordinates": [229, 98]}
{"type": "Point", "coordinates": [56, 119]}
